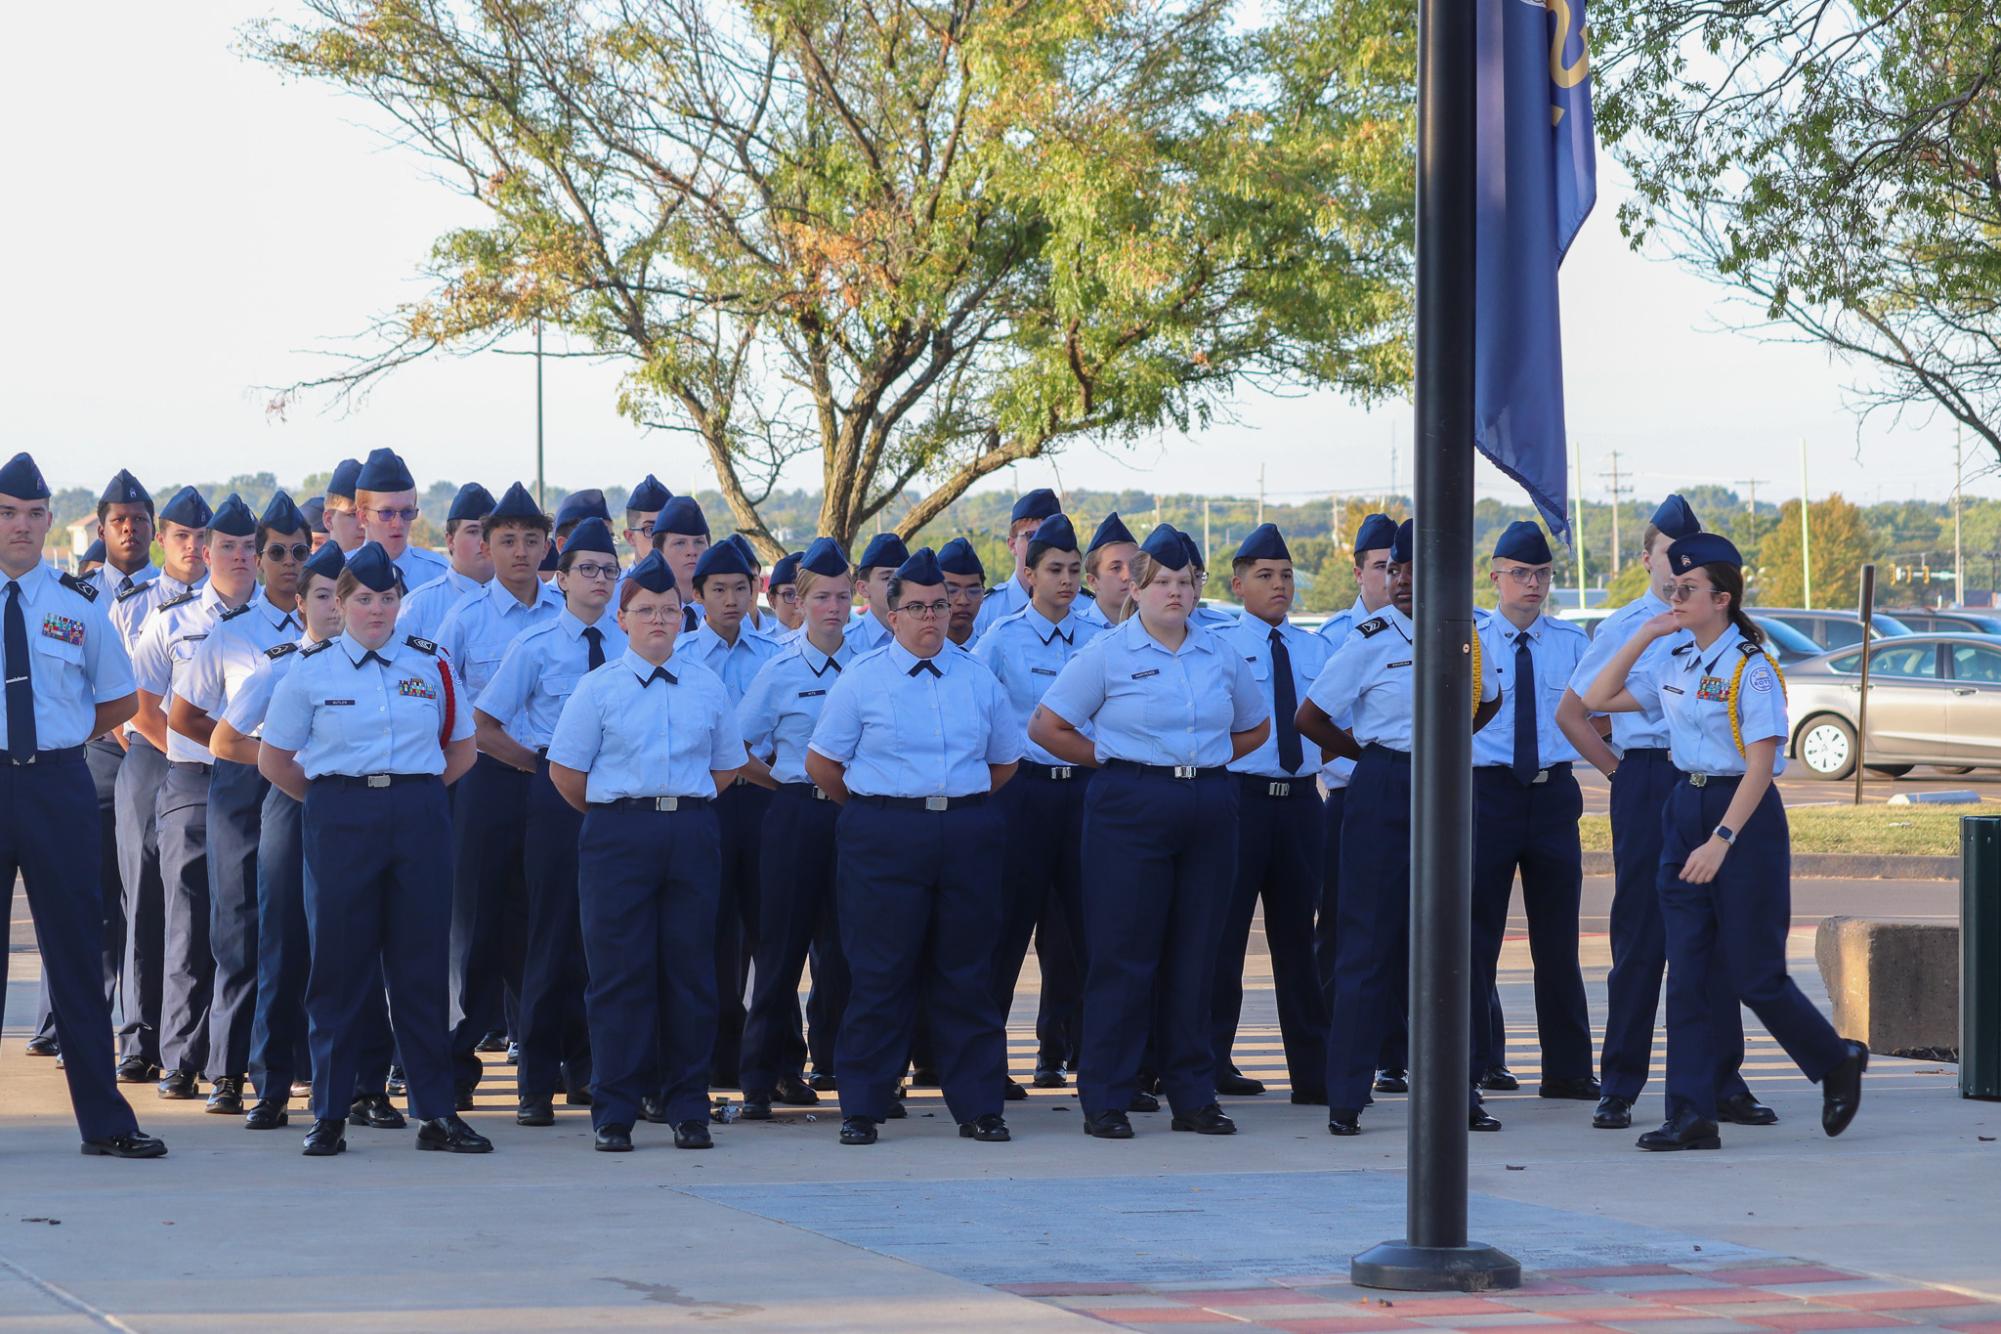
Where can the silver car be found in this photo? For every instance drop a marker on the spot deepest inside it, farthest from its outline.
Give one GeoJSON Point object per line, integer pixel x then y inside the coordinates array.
{"type": "Point", "coordinates": [1933, 699]}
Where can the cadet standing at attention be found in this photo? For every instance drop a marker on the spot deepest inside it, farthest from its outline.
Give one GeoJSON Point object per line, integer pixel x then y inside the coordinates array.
{"type": "Point", "coordinates": [576, 507]}
{"type": "Point", "coordinates": [343, 521]}
{"type": "Point", "coordinates": [67, 681]}
{"type": "Point", "coordinates": [1167, 705]}
{"type": "Point", "coordinates": [1108, 572]}
{"type": "Point", "coordinates": [965, 588]}
{"type": "Point", "coordinates": [385, 496]}
{"type": "Point", "coordinates": [681, 535]}
{"type": "Point", "coordinates": [912, 742]}
{"type": "Point", "coordinates": [1526, 807]}
{"type": "Point", "coordinates": [641, 749]}
{"type": "Point", "coordinates": [642, 510]}
{"type": "Point", "coordinates": [869, 627]}
{"type": "Point", "coordinates": [1278, 829]}
{"type": "Point", "coordinates": [1006, 598]}
{"type": "Point", "coordinates": [366, 732]}
{"type": "Point", "coordinates": [1369, 680]}
{"type": "Point", "coordinates": [1641, 774]}
{"type": "Point", "coordinates": [781, 594]}
{"type": "Point", "coordinates": [223, 664]}
{"type": "Point", "coordinates": [1726, 855]}
{"type": "Point", "coordinates": [515, 716]}
{"type": "Point", "coordinates": [428, 604]}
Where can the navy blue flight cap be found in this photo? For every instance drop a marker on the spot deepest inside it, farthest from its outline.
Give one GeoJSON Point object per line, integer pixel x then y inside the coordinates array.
{"type": "Point", "coordinates": [314, 512]}
{"type": "Point", "coordinates": [93, 552]}
{"type": "Point", "coordinates": [1037, 504]}
{"type": "Point", "coordinates": [472, 502]}
{"type": "Point", "coordinates": [1264, 542]}
{"type": "Point", "coordinates": [1404, 545]}
{"type": "Point", "coordinates": [1057, 533]}
{"type": "Point", "coordinates": [327, 562]}
{"type": "Point", "coordinates": [1377, 533]}
{"type": "Point", "coordinates": [649, 495]}
{"type": "Point", "coordinates": [232, 518]}
{"type": "Point", "coordinates": [749, 552]}
{"type": "Point", "coordinates": [1113, 529]}
{"type": "Point", "coordinates": [1702, 549]}
{"type": "Point", "coordinates": [552, 557]}
{"type": "Point", "coordinates": [1194, 552]}
{"type": "Point", "coordinates": [884, 549]}
{"type": "Point", "coordinates": [124, 489]}
{"type": "Point", "coordinates": [581, 505]}
{"type": "Point", "coordinates": [722, 558]}
{"type": "Point", "coordinates": [921, 568]}
{"type": "Point", "coordinates": [282, 516]}
{"type": "Point", "coordinates": [1523, 540]}
{"type": "Point", "coordinates": [785, 570]}
{"type": "Point", "coordinates": [384, 471]}
{"type": "Point", "coordinates": [592, 534]}
{"type": "Point", "coordinates": [958, 557]}
{"type": "Point", "coordinates": [372, 568]}
{"type": "Point", "coordinates": [342, 482]}
{"type": "Point", "coordinates": [1675, 518]}
{"type": "Point", "coordinates": [515, 503]}
{"type": "Point", "coordinates": [653, 574]}
{"type": "Point", "coordinates": [185, 508]}
{"type": "Point", "coordinates": [1167, 547]}
{"type": "Point", "coordinates": [825, 557]}
{"type": "Point", "coordinates": [683, 516]}
{"type": "Point", "coordinates": [21, 479]}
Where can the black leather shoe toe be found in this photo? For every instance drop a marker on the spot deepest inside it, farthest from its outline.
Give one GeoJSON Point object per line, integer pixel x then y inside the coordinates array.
{"type": "Point", "coordinates": [268, 1114]}
{"type": "Point", "coordinates": [1480, 1119]}
{"type": "Point", "coordinates": [1688, 1132]}
{"type": "Point", "coordinates": [135, 1070]}
{"type": "Point", "coordinates": [1614, 1113]}
{"type": "Point", "coordinates": [1234, 1085]}
{"type": "Point", "coordinates": [226, 1097]}
{"type": "Point", "coordinates": [796, 1092]}
{"type": "Point", "coordinates": [1047, 1077]}
{"type": "Point", "coordinates": [897, 1111]}
{"type": "Point", "coordinates": [858, 1130]}
{"type": "Point", "coordinates": [449, 1134]}
{"type": "Point", "coordinates": [1841, 1090]}
{"type": "Point", "coordinates": [1013, 1091]}
{"type": "Point", "coordinates": [137, 1144]}
{"type": "Point", "coordinates": [536, 1112]}
{"type": "Point", "coordinates": [1143, 1102]}
{"type": "Point", "coordinates": [825, 1083]}
{"type": "Point", "coordinates": [43, 1047]}
{"type": "Point", "coordinates": [1108, 1125]}
{"type": "Point", "coordinates": [1392, 1081]}
{"type": "Point", "coordinates": [1343, 1121]}
{"type": "Point", "coordinates": [375, 1111]}
{"type": "Point", "coordinates": [654, 1110]}
{"type": "Point", "coordinates": [1500, 1080]}
{"type": "Point", "coordinates": [326, 1139]}
{"type": "Point", "coordinates": [693, 1134]}
{"type": "Point", "coordinates": [396, 1085]}
{"type": "Point", "coordinates": [613, 1139]}
{"type": "Point", "coordinates": [757, 1107]}
{"type": "Point", "coordinates": [1581, 1089]}
{"type": "Point", "coordinates": [179, 1086]}
{"type": "Point", "coordinates": [989, 1128]}
{"type": "Point", "coordinates": [1206, 1121]}
{"type": "Point", "coordinates": [1741, 1109]}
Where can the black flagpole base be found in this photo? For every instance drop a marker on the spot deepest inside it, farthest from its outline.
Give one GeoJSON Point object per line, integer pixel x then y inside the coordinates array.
{"type": "Point", "coordinates": [1407, 1268]}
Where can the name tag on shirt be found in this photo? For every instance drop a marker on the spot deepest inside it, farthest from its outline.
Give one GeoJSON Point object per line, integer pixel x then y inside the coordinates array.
{"type": "Point", "coordinates": [811, 694]}
{"type": "Point", "coordinates": [1674, 690]}
{"type": "Point", "coordinates": [63, 628]}
{"type": "Point", "coordinates": [1043, 671]}
{"type": "Point", "coordinates": [414, 689]}
{"type": "Point", "coordinates": [335, 703]}
{"type": "Point", "coordinates": [1405, 663]}
{"type": "Point", "coordinates": [1712, 687]}
{"type": "Point", "coordinates": [1151, 671]}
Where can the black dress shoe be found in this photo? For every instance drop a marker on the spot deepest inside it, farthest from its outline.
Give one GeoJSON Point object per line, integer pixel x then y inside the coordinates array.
{"type": "Point", "coordinates": [1392, 1081]}
{"type": "Point", "coordinates": [326, 1139]}
{"type": "Point", "coordinates": [757, 1106]}
{"type": "Point", "coordinates": [1343, 1121]}
{"type": "Point", "coordinates": [1143, 1102]}
{"type": "Point", "coordinates": [1235, 1085]}
{"type": "Point", "coordinates": [613, 1139]}
{"type": "Point", "coordinates": [1614, 1113]}
{"type": "Point", "coordinates": [1309, 1097]}
{"type": "Point", "coordinates": [924, 1077]}
{"type": "Point", "coordinates": [1687, 1131]}
{"type": "Point", "coordinates": [1741, 1109]}
{"type": "Point", "coordinates": [267, 1114]}
{"type": "Point", "coordinates": [795, 1092]}
{"type": "Point", "coordinates": [1500, 1080]}
{"type": "Point", "coordinates": [536, 1112]}
{"type": "Point", "coordinates": [397, 1084]}
{"type": "Point", "coordinates": [1013, 1091]}
{"type": "Point", "coordinates": [1581, 1089]}
{"type": "Point", "coordinates": [1049, 1077]}
{"type": "Point", "coordinates": [180, 1086]}
{"type": "Point", "coordinates": [448, 1134]}
{"type": "Point", "coordinates": [492, 1041]}
{"type": "Point", "coordinates": [825, 1082]}
{"type": "Point", "coordinates": [44, 1047]}
{"type": "Point", "coordinates": [137, 1144]}
{"type": "Point", "coordinates": [654, 1109]}
{"type": "Point", "coordinates": [693, 1134]}
{"type": "Point", "coordinates": [858, 1130]}
{"type": "Point", "coordinates": [137, 1070]}
{"type": "Point", "coordinates": [897, 1111]}
{"type": "Point", "coordinates": [1110, 1124]}
{"type": "Point", "coordinates": [225, 1098]}
{"type": "Point", "coordinates": [989, 1128]}
{"type": "Point", "coordinates": [1841, 1089]}
{"type": "Point", "coordinates": [577, 1098]}
{"type": "Point", "coordinates": [375, 1111]}
{"type": "Point", "coordinates": [1207, 1121]}
{"type": "Point", "coordinates": [1480, 1119]}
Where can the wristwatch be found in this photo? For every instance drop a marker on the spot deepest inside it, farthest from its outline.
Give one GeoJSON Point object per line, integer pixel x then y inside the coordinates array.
{"type": "Point", "coordinates": [1727, 834]}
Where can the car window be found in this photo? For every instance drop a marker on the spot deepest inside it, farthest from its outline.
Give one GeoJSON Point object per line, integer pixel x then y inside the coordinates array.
{"type": "Point", "coordinates": [1906, 660]}
{"type": "Point", "coordinates": [1850, 663]}
{"type": "Point", "coordinates": [1972, 662]}
{"type": "Point", "coordinates": [1786, 639]}
{"type": "Point", "coordinates": [1840, 634]}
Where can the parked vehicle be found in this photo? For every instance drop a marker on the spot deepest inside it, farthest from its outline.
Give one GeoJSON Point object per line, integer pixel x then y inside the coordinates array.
{"type": "Point", "coordinates": [1933, 699]}
{"type": "Point", "coordinates": [1786, 644]}
{"type": "Point", "coordinates": [1948, 620]}
{"type": "Point", "coordinates": [1832, 629]}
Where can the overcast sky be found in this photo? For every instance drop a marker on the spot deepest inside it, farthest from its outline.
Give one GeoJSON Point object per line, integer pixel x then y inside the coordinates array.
{"type": "Point", "coordinates": [183, 226]}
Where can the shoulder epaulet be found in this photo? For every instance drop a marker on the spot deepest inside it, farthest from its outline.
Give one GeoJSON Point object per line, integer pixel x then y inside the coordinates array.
{"type": "Point", "coordinates": [233, 612]}
{"type": "Point", "coordinates": [996, 588]}
{"type": "Point", "coordinates": [134, 591]}
{"type": "Point", "coordinates": [277, 651]}
{"type": "Point", "coordinates": [1747, 648]}
{"type": "Point", "coordinates": [1374, 626]}
{"type": "Point", "coordinates": [320, 647]}
{"type": "Point", "coordinates": [421, 644]}
{"type": "Point", "coordinates": [184, 598]}
{"type": "Point", "coordinates": [76, 585]}
{"type": "Point", "coordinates": [1571, 627]}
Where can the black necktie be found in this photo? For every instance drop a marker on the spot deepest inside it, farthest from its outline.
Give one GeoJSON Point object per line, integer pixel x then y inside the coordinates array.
{"type": "Point", "coordinates": [371, 656]}
{"type": "Point", "coordinates": [20, 685]}
{"type": "Point", "coordinates": [661, 674]}
{"type": "Point", "coordinates": [1285, 704]}
{"type": "Point", "coordinates": [124, 584]}
{"type": "Point", "coordinates": [1525, 764]}
{"type": "Point", "coordinates": [926, 665]}
{"type": "Point", "coordinates": [596, 638]}
{"type": "Point", "coordinates": [688, 621]}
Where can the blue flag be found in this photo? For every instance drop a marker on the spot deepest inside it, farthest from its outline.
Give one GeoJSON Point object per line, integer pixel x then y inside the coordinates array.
{"type": "Point", "coordinates": [1537, 182]}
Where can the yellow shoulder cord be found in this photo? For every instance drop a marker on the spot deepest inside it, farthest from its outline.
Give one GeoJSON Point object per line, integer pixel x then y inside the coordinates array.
{"type": "Point", "coordinates": [1736, 684]}
{"type": "Point", "coordinates": [1476, 670]}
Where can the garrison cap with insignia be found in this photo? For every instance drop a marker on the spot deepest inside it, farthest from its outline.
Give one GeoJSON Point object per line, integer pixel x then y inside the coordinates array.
{"type": "Point", "coordinates": [342, 482]}
{"type": "Point", "coordinates": [921, 568]}
{"type": "Point", "coordinates": [592, 534]}
{"type": "Point", "coordinates": [722, 558]}
{"type": "Point", "coordinates": [515, 503]}
{"type": "Point", "coordinates": [1165, 545]}
{"type": "Point", "coordinates": [1702, 549]}
{"type": "Point", "coordinates": [1377, 533]}
{"type": "Point", "coordinates": [1523, 540]}
{"type": "Point", "coordinates": [653, 574]}
{"type": "Point", "coordinates": [1675, 518]}
{"type": "Point", "coordinates": [124, 489]}
{"type": "Point", "coordinates": [384, 471]}
{"type": "Point", "coordinates": [1037, 504]}
{"type": "Point", "coordinates": [581, 505]}
{"type": "Point", "coordinates": [648, 495]}
{"type": "Point", "coordinates": [1194, 552]}
{"type": "Point", "coordinates": [825, 556]}
{"type": "Point", "coordinates": [93, 552]}
{"type": "Point", "coordinates": [21, 479]}
{"type": "Point", "coordinates": [1404, 546]}
{"type": "Point", "coordinates": [327, 562]}
{"type": "Point", "coordinates": [372, 568]}
{"type": "Point", "coordinates": [958, 557]}
{"type": "Point", "coordinates": [232, 518]}
{"type": "Point", "coordinates": [884, 549]}
{"type": "Point", "coordinates": [282, 516]}
{"type": "Point", "coordinates": [1056, 533]}
{"type": "Point", "coordinates": [315, 512]}
{"type": "Point", "coordinates": [1113, 529]}
{"type": "Point", "coordinates": [187, 508]}
{"type": "Point", "coordinates": [785, 570]}
{"type": "Point", "coordinates": [682, 516]}
{"type": "Point", "coordinates": [1264, 542]}
{"type": "Point", "coordinates": [472, 502]}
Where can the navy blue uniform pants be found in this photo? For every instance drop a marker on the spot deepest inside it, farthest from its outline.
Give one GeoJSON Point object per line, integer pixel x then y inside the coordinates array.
{"type": "Point", "coordinates": [139, 983]}
{"type": "Point", "coordinates": [48, 835]}
{"type": "Point", "coordinates": [1042, 880]}
{"type": "Point", "coordinates": [1059, 956]}
{"type": "Point", "coordinates": [378, 892]}
{"type": "Point", "coordinates": [1530, 828]}
{"type": "Point", "coordinates": [920, 908]}
{"type": "Point", "coordinates": [797, 907]}
{"type": "Point", "coordinates": [1740, 918]}
{"type": "Point", "coordinates": [489, 905]}
{"type": "Point", "coordinates": [740, 810]}
{"type": "Point", "coordinates": [647, 888]}
{"type": "Point", "coordinates": [1640, 788]}
{"type": "Point", "coordinates": [554, 1040]}
{"type": "Point", "coordinates": [1327, 937]}
{"type": "Point", "coordinates": [1279, 837]}
{"type": "Point", "coordinates": [103, 757]}
{"type": "Point", "coordinates": [188, 974]}
{"type": "Point", "coordinates": [1160, 854]}
{"type": "Point", "coordinates": [235, 810]}
{"type": "Point", "coordinates": [278, 1050]}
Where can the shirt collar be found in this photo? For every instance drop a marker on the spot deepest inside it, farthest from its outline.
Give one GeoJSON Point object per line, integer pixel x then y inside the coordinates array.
{"type": "Point", "coordinates": [573, 625]}
{"type": "Point", "coordinates": [115, 578]}
{"type": "Point", "coordinates": [818, 662]}
{"type": "Point", "coordinates": [464, 583]}
{"type": "Point", "coordinates": [643, 669]}
{"type": "Point", "coordinates": [210, 600]}
{"type": "Point", "coordinates": [33, 582]}
{"type": "Point", "coordinates": [355, 652]}
{"type": "Point", "coordinates": [505, 601]}
{"type": "Point", "coordinates": [905, 660]}
{"type": "Point", "coordinates": [269, 613]}
{"type": "Point", "coordinates": [1509, 630]}
{"type": "Point", "coordinates": [1046, 629]}
{"type": "Point", "coordinates": [1711, 656]}
{"type": "Point", "coordinates": [1197, 640]}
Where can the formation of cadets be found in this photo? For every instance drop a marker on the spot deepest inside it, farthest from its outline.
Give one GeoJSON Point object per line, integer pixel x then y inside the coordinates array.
{"type": "Point", "coordinates": [310, 812]}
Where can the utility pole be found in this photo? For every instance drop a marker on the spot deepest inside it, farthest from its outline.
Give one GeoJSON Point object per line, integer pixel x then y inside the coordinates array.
{"type": "Point", "coordinates": [1577, 523]}
{"type": "Point", "coordinates": [1958, 545]}
{"type": "Point", "coordinates": [1806, 535]}
{"type": "Point", "coordinates": [539, 501]}
{"type": "Point", "coordinates": [1261, 493]}
{"type": "Point", "coordinates": [1618, 554]}
{"type": "Point", "coordinates": [1334, 519]}
{"type": "Point", "coordinates": [1205, 532]}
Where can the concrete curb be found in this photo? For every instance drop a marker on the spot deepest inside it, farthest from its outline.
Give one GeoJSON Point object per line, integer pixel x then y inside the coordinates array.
{"type": "Point", "coordinates": [1836, 866]}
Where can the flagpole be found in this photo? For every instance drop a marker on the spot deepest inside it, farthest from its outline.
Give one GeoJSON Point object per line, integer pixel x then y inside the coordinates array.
{"type": "Point", "coordinates": [1434, 1254]}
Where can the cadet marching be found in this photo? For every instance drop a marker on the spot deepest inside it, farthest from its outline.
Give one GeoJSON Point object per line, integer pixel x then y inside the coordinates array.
{"type": "Point", "coordinates": [309, 818]}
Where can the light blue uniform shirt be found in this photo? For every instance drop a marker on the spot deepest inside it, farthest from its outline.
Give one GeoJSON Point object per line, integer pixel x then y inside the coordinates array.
{"type": "Point", "coordinates": [174, 633]}
{"type": "Point", "coordinates": [1629, 730]}
{"type": "Point", "coordinates": [1691, 687]}
{"type": "Point", "coordinates": [1150, 705]}
{"type": "Point", "coordinates": [1335, 630]}
{"type": "Point", "coordinates": [783, 704]}
{"type": "Point", "coordinates": [111, 583]}
{"type": "Point", "coordinates": [928, 735]}
{"type": "Point", "coordinates": [1369, 679]}
{"type": "Point", "coordinates": [1555, 647]}
{"type": "Point", "coordinates": [1085, 609]}
{"type": "Point", "coordinates": [420, 567]}
{"type": "Point", "coordinates": [130, 609]}
{"type": "Point", "coordinates": [1251, 638]}
{"type": "Point", "coordinates": [737, 664]}
{"type": "Point", "coordinates": [233, 651]}
{"type": "Point", "coordinates": [345, 712]}
{"type": "Point", "coordinates": [1003, 599]}
{"type": "Point", "coordinates": [865, 633]}
{"type": "Point", "coordinates": [539, 672]}
{"type": "Point", "coordinates": [1027, 652]}
{"type": "Point", "coordinates": [76, 661]}
{"type": "Point", "coordinates": [638, 736]}
{"type": "Point", "coordinates": [478, 630]}
{"type": "Point", "coordinates": [250, 702]}
{"type": "Point", "coordinates": [426, 606]}
{"type": "Point", "coordinates": [1212, 618]}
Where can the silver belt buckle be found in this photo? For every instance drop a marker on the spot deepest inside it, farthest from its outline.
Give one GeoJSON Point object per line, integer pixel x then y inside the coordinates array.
{"type": "Point", "coordinates": [1060, 772]}
{"type": "Point", "coordinates": [1541, 776]}
{"type": "Point", "coordinates": [1184, 771]}
{"type": "Point", "coordinates": [820, 795]}
{"type": "Point", "coordinates": [376, 780]}
{"type": "Point", "coordinates": [1278, 789]}
{"type": "Point", "coordinates": [666, 803]}
{"type": "Point", "coordinates": [1698, 780]}
{"type": "Point", "coordinates": [937, 803]}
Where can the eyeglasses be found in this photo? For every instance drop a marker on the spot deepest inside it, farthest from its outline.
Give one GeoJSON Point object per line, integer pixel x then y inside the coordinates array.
{"type": "Point", "coordinates": [654, 613]}
{"type": "Point", "coordinates": [786, 593]}
{"type": "Point", "coordinates": [279, 551]}
{"type": "Point", "coordinates": [963, 594]}
{"type": "Point", "coordinates": [1522, 574]}
{"type": "Point", "coordinates": [391, 516]}
{"type": "Point", "coordinates": [926, 609]}
{"type": "Point", "coordinates": [594, 570]}
{"type": "Point", "coordinates": [1683, 592]}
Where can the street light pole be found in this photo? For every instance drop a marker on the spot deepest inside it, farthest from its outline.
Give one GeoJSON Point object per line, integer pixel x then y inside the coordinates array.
{"type": "Point", "coordinates": [539, 501]}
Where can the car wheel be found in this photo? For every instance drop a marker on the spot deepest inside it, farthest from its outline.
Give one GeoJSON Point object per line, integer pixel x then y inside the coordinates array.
{"type": "Point", "coordinates": [1827, 747]}
{"type": "Point", "coordinates": [1891, 770]}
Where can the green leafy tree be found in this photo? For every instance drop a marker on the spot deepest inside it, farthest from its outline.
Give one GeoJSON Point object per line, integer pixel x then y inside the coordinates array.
{"type": "Point", "coordinates": [1840, 547]}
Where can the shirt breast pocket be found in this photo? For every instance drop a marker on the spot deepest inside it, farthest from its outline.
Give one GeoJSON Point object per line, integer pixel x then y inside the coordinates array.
{"type": "Point", "coordinates": [560, 685]}
{"type": "Point", "coordinates": [58, 657]}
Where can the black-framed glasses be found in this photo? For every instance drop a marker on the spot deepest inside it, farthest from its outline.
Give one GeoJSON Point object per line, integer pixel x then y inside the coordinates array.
{"type": "Point", "coordinates": [592, 570]}
{"type": "Point", "coordinates": [280, 551]}
{"type": "Point", "coordinates": [407, 514]}
{"type": "Point", "coordinates": [938, 608]}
